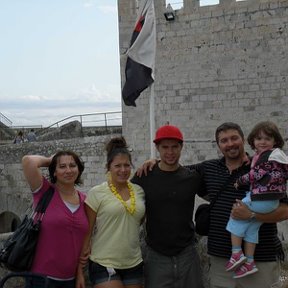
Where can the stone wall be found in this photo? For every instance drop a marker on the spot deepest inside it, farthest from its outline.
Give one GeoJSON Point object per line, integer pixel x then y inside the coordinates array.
{"type": "Point", "coordinates": [225, 62]}
{"type": "Point", "coordinates": [15, 196]}
{"type": "Point", "coordinates": [14, 192]}
{"type": "Point", "coordinates": [218, 63]}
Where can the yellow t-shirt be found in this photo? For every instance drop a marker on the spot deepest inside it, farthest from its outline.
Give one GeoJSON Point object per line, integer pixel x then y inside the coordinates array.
{"type": "Point", "coordinates": [116, 240]}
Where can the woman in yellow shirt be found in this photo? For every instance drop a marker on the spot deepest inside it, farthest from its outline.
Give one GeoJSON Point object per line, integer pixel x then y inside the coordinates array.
{"type": "Point", "coordinates": [115, 210]}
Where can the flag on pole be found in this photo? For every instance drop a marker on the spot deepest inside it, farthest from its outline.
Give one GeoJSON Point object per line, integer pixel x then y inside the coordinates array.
{"type": "Point", "coordinates": [139, 71]}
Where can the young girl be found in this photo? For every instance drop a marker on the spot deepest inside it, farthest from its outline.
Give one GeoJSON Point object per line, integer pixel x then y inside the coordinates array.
{"type": "Point", "coordinates": [267, 179]}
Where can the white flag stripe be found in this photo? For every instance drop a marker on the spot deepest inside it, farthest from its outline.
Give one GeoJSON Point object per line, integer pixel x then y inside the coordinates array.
{"type": "Point", "coordinates": [143, 49]}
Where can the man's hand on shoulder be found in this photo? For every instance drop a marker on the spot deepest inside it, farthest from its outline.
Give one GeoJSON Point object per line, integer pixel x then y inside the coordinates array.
{"type": "Point", "coordinates": [145, 167]}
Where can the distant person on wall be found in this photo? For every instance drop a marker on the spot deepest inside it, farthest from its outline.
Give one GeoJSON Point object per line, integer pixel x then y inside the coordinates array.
{"type": "Point", "coordinates": [19, 138]}
{"type": "Point", "coordinates": [267, 179]}
{"type": "Point", "coordinates": [171, 259]}
{"type": "Point", "coordinates": [115, 210]}
{"type": "Point", "coordinates": [31, 136]}
{"type": "Point", "coordinates": [65, 224]}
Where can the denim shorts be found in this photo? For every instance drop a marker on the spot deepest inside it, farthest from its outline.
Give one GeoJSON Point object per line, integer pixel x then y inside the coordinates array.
{"type": "Point", "coordinates": [100, 274]}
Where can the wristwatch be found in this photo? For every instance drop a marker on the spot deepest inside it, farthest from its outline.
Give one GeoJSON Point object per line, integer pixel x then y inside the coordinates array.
{"type": "Point", "coordinates": [253, 215]}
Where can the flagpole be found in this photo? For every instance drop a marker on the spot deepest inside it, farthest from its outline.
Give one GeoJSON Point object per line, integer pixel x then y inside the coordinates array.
{"type": "Point", "coordinates": [152, 94]}
{"type": "Point", "coordinates": [152, 122]}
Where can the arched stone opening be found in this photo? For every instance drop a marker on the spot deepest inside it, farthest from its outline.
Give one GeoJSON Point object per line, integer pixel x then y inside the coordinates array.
{"type": "Point", "coordinates": [8, 222]}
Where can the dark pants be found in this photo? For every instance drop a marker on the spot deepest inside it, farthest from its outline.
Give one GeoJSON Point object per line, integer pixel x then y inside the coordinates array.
{"type": "Point", "coordinates": [180, 271]}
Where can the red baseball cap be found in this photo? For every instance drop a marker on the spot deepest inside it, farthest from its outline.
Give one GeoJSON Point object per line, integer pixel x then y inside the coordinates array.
{"type": "Point", "coordinates": [168, 132]}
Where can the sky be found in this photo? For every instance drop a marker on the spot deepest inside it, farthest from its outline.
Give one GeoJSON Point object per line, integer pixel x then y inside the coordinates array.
{"type": "Point", "coordinates": [58, 58]}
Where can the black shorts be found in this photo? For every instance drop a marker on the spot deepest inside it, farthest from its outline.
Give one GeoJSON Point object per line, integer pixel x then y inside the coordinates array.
{"type": "Point", "coordinates": [100, 274]}
{"type": "Point", "coordinates": [39, 283]}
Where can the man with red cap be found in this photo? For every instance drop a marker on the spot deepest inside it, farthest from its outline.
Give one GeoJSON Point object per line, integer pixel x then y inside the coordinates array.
{"type": "Point", "coordinates": [219, 175]}
{"type": "Point", "coordinates": [171, 258]}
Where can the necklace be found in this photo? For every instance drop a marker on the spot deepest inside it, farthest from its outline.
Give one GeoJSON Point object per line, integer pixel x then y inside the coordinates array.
{"type": "Point", "coordinates": [132, 207]}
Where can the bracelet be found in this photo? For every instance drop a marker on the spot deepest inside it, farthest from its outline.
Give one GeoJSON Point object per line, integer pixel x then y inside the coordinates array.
{"type": "Point", "coordinates": [253, 215]}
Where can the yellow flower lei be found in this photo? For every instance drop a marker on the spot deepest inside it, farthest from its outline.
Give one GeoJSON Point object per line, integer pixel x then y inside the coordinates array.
{"type": "Point", "coordinates": [132, 207]}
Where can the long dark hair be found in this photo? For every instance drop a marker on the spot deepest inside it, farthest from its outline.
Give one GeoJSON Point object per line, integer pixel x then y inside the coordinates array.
{"type": "Point", "coordinates": [115, 147]}
{"type": "Point", "coordinates": [53, 164]}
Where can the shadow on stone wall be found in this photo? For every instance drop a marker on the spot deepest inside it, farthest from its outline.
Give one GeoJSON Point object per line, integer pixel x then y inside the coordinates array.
{"type": "Point", "coordinates": [6, 133]}
{"type": "Point", "coordinates": [70, 130]}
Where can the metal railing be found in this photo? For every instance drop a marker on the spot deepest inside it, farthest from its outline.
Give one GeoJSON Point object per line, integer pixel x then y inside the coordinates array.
{"type": "Point", "coordinates": [99, 119]}
{"type": "Point", "coordinates": [26, 127]}
{"type": "Point", "coordinates": [5, 120]}
{"type": "Point", "coordinates": [93, 119]}
{"type": "Point", "coordinates": [103, 120]}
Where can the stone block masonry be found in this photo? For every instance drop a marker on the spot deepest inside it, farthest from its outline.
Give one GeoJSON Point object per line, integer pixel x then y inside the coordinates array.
{"type": "Point", "coordinates": [218, 63]}
{"type": "Point", "coordinates": [225, 62]}
{"type": "Point", "coordinates": [15, 194]}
